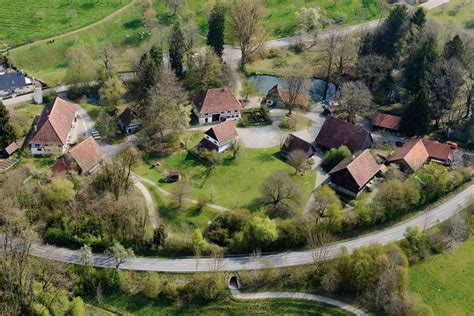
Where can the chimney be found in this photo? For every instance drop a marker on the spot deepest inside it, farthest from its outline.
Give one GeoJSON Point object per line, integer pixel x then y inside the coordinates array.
{"type": "Point", "coordinates": [353, 156]}
{"type": "Point", "coordinates": [35, 128]}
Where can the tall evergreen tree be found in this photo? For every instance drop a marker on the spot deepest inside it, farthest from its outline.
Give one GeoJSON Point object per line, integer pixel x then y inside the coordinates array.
{"type": "Point", "coordinates": [419, 18]}
{"type": "Point", "coordinates": [387, 39]}
{"type": "Point", "coordinates": [215, 35]}
{"type": "Point", "coordinates": [156, 56]}
{"type": "Point", "coordinates": [7, 133]}
{"type": "Point", "coordinates": [177, 50]}
{"type": "Point", "coordinates": [454, 48]}
{"type": "Point", "coordinates": [417, 116]}
{"type": "Point", "coordinates": [419, 63]}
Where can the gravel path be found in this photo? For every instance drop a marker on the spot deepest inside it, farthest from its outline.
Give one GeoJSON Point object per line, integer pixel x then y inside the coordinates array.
{"type": "Point", "coordinates": [296, 296]}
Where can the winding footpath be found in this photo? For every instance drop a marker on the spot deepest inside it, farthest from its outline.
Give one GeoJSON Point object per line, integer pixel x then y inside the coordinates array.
{"type": "Point", "coordinates": [425, 220]}
{"type": "Point", "coordinates": [236, 294]}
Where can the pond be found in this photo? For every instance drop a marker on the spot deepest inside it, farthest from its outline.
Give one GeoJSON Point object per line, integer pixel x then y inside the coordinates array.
{"type": "Point", "coordinates": [263, 83]}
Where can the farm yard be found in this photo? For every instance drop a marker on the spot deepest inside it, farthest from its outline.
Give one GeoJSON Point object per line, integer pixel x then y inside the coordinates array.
{"type": "Point", "coordinates": [29, 20]}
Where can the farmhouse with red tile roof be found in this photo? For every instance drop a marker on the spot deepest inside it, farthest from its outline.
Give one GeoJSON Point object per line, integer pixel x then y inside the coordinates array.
{"type": "Point", "coordinates": [352, 174]}
{"type": "Point", "coordinates": [216, 105]}
{"type": "Point", "coordinates": [53, 128]}
{"type": "Point", "coordinates": [82, 158]}
{"type": "Point", "coordinates": [293, 143]}
{"type": "Point", "coordinates": [416, 152]}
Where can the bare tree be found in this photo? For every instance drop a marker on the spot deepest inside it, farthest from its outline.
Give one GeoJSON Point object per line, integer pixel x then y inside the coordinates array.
{"type": "Point", "coordinates": [319, 240]}
{"type": "Point", "coordinates": [295, 87]}
{"type": "Point", "coordinates": [280, 194]}
{"type": "Point", "coordinates": [235, 148]}
{"type": "Point", "coordinates": [86, 257]}
{"type": "Point", "coordinates": [107, 56]}
{"type": "Point", "coordinates": [355, 99]}
{"type": "Point", "coordinates": [175, 5]}
{"type": "Point", "coordinates": [458, 229]}
{"type": "Point", "coordinates": [181, 192]}
{"type": "Point", "coordinates": [245, 19]}
{"type": "Point", "coordinates": [298, 159]}
{"type": "Point", "coordinates": [328, 61]}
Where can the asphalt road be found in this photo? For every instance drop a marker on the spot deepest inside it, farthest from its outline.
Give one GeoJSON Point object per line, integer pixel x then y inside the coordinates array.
{"type": "Point", "coordinates": [188, 265]}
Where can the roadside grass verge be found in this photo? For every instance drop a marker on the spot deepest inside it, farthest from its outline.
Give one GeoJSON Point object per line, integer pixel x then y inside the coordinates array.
{"type": "Point", "coordinates": [445, 281]}
{"type": "Point", "coordinates": [140, 306]}
{"type": "Point", "coordinates": [233, 184]}
{"type": "Point", "coordinates": [29, 20]}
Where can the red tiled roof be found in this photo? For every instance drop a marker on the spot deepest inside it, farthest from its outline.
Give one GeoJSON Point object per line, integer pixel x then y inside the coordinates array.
{"type": "Point", "coordinates": [438, 151]}
{"type": "Point", "coordinates": [413, 152]}
{"type": "Point", "coordinates": [223, 132]}
{"type": "Point", "coordinates": [336, 132]}
{"type": "Point", "coordinates": [55, 123]}
{"type": "Point", "coordinates": [86, 154]}
{"type": "Point", "coordinates": [362, 168]}
{"type": "Point", "coordinates": [387, 121]}
{"type": "Point", "coordinates": [216, 100]}
{"type": "Point", "coordinates": [10, 149]}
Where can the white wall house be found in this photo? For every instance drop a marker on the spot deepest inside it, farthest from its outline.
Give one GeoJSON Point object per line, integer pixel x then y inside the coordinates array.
{"type": "Point", "coordinates": [52, 131]}
{"type": "Point", "coordinates": [219, 137]}
{"type": "Point", "coordinates": [14, 83]}
{"type": "Point", "coordinates": [216, 105]}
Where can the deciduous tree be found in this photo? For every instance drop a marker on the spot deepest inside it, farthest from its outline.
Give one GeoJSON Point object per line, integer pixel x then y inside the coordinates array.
{"type": "Point", "coordinates": [245, 20]}
{"type": "Point", "coordinates": [355, 99]}
{"type": "Point", "coordinates": [111, 93]}
{"type": "Point", "coordinates": [203, 72]}
{"type": "Point", "coordinates": [298, 159]}
{"type": "Point", "coordinates": [280, 194]}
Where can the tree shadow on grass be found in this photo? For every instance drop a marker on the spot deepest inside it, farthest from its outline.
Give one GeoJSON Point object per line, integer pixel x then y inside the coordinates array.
{"type": "Point", "coordinates": [133, 24]}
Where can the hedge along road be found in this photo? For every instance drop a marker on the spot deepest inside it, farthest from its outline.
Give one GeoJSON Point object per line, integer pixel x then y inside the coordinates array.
{"type": "Point", "coordinates": [428, 219]}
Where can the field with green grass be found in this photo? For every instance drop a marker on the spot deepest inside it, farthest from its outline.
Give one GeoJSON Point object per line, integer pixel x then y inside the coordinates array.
{"type": "Point", "coordinates": [141, 306]}
{"type": "Point", "coordinates": [282, 21]}
{"type": "Point", "coordinates": [49, 62]}
{"type": "Point", "coordinates": [445, 282]}
{"type": "Point", "coordinates": [29, 20]}
{"type": "Point", "coordinates": [235, 183]}
{"type": "Point", "coordinates": [456, 12]}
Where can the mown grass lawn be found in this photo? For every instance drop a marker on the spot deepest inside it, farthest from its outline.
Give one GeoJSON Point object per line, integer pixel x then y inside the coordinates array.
{"type": "Point", "coordinates": [177, 219]}
{"type": "Point", "coordinates": [234, 184]}
{"type": "Point", "coordinates": [141, 306]}
{"type": "Point", "coordinates": [446, 281]}
{"type": "Point", "coordinates": [29, 20]}
{"type": "Point", "coordinates": [456, 12]}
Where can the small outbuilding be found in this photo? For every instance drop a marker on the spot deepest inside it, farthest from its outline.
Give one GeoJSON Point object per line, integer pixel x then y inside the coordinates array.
{"type": "Point", "coordinates": [386, 121]}
{"type": "Point", "coordinates": [293, 143]}
{"type": "Point", "coordinates": [10, 150]}
{"type": "Point", "coordinates": [129, 122]}
{"type": "Point", "coordinates": [277, 96]}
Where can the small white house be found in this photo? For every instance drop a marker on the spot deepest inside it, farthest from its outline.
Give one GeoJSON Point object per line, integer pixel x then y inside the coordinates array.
{"type": "Point", "coordinates": [219, 137]}
{"type": "Point", "coordinates": [216, 105]}
{"type": "Point", "coordinates": [129, 122]}
{"type": "Point", "coordinates": [52, 131]}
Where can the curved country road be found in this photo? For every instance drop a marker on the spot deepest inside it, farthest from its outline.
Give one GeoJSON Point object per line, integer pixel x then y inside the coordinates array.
{"type": "Point", "coordinates": [428, 219]}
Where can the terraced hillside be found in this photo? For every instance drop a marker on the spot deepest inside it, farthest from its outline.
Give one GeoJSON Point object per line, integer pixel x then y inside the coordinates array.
{"type": "Point", "coordinates": [29, 20]}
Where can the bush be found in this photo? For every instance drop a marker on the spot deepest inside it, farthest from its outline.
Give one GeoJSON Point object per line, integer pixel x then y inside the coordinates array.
{"type": "Point", "coordinates": [175, 247]}
{"type": "Point", "coordinates": [204, 288]}
{"type": "Point", "coordinates": [151, 288]}
{"type": "Point", "coordinates": [274, 53]}
{"type": "Point", "coordinates": [469, 24]}
{"type": "Point", "coordinates": [39, 309]}
{"type": "Point", "coordinates": [170, 291]}
{"type": "Point", "coordinates": [243, 122]}
{"type": "Point", "coordinates": [77, 307]}
{"type": "Point", "coordinates": [334, 156]}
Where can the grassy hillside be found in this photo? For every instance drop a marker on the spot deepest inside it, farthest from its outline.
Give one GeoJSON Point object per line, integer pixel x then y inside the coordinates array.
{"type": "Point", "coordinates": [28, 20]}
{"type": "Point", "coordinates": [125, 32]}
{"type": "Point", "coordinates": [456, 12]}
{"type": "Point", "coordinates": [140, 306]}
{"type": "Point", "coordinates": [445, 282]}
